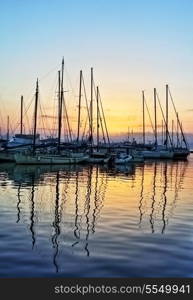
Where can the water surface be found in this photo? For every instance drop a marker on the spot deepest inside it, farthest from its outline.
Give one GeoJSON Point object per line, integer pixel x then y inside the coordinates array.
{"type": "Point", "coordinates": [82, 221]}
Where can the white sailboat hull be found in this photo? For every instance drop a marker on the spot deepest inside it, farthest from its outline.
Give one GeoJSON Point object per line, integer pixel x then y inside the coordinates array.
{"type": "Point", "coordinates": [96, 160]}
{"type": "Point", "coordinates": [47, 159]}
{"type": "Point", "coordinates": [158, 154]}
{"type": "Point", "coordinates": [123, 160]}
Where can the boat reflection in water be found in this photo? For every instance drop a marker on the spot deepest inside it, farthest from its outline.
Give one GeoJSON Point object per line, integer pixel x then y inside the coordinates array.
{"type": "Point", "coordinates": [96, 221]}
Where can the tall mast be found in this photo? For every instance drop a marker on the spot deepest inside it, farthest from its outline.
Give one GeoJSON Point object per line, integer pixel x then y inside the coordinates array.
{"type": "Point", "coordinates": [166, 115]}
{"type": "Point", "coordinates": [62, 93]}
{"type": "Point", "coordinates": [59, 113]}
{"type": "Point", "coordinates": [35, 116]}
{"type": "Point", "coordinates": [128, 134]}
{"type": "Point", "coordinates": [97, 99]}
{"type": "Point", "coordinates": [21, 122]}
{"type": "Point", "coordinates": [182, 137]}
{"type": "Point", "coordinates": [91, 108]}
{"type": "Point", "coordinates": [7, 128]}
{"type": "Point", "coordinates": [103, 114]}
{"type": "Point", "coordinates": [177, 132]}
{"type": "Point", "coordinates": [79, 106]}
{"type": "Point", "coordinates": [172, 132]}
{"type": "Point", "coordinates": [162, 132]}
{"type": "Point", "coordinates": [178, 121]}
{"type": "Point", "coordinates": [143, 100]}
{"type": "Point", "coordinates": [155, 112]}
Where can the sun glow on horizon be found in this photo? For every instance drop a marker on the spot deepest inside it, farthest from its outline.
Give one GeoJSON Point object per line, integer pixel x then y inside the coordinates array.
{"type": "Point", "coordinates": [130, 44]}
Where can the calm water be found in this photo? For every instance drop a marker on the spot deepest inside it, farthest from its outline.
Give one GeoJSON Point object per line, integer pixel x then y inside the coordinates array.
{"type": "Point", "coordinates": [92, 221]}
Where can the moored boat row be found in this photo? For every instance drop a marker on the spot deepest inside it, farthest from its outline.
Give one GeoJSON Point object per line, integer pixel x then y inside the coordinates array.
{"type": "Point", "coordinates": [30, 149]}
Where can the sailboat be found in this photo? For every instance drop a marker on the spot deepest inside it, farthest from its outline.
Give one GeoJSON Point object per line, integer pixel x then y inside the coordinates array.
{"type": "Point", "coordinates": [19, 142]}
{"type": "Point", "coordinates": [6, 156]}
{"type": "Point", "coordinates": [36, 158]}
{"type": "Point", "coordinates": [46, 159]}
{"type": "Point", "coordinates": [95, 155]}
{"type": "Point", "coordinates": [21, 139]}
{"type": "Point", "coordinates": [179, 151]}
{"type": "Point", "coordinates": [158, 151]}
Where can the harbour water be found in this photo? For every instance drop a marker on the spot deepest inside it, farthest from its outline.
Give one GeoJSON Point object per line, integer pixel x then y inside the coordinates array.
{"type": "Point", "coordinates": [94, 221]}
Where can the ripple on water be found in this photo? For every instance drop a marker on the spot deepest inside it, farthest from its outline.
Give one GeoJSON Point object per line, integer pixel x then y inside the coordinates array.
{"type": "Point", "coordinates": [92, 221]}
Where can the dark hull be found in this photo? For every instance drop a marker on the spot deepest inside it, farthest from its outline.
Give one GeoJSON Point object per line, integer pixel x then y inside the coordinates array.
{"type": "Point", "coordinates": [6, 157]}
{"type": "Point", "coordinates": [181, 154]}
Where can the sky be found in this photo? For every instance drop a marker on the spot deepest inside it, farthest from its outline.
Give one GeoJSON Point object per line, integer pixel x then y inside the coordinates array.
{"type": "Point", "coordinates": [132, 46]}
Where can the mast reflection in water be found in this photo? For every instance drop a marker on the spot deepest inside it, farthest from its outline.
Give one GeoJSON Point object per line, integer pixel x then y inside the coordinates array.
{"type": "Point", "coordinates": [80, 221]}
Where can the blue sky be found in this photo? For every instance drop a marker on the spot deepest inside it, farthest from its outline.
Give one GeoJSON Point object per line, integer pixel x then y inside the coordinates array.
{"type": "Point", "coordinates": [132, 45]}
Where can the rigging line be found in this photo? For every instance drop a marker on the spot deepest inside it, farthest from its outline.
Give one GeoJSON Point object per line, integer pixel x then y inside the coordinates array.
{"type": "Point", "coordinates": [164, 118]}
{"type": "Point", "coordinates": [28, 123]}
{"type": "Point", "coordinates": [55, 111]}
{"type": "Point", "coordinates": [65, 127]}
{"type": "Point", "coordinates": [175, 134]}
{"type": "Point", "coordinates": [10, 126]}
{"type": "Point", "coordinates": [50, 71]}
{"type": "Point", "coordinates": [55, 108]}
{"type": "Point", "coordinates": [25, 112]}
{"type": "Point", "coordinates": [149, 116]}
{"type": "Point", "coordinates": [67, 119]}
{"type": "Point", "coordinates": [180, 125]}
{"type": "Point", "coordinates": [11, 129]}
{"type": "Point", "coordinates": [30, 91]}
{"type": "Point", "coordinates": [42, 121]}
{"type": "Point", "coordinates": [40, 79]}
{"type": "Point", "coordinates": [66, 131]}
{"type": "Point", "coordinates": [69, 80]}
{"type": "Point", "coordinates": [45, 124]}
{"type": "Point", "coordinates": [29, 105]}
{"type": "Point", "coordinates": [103, 114]}
{"type": "Point", "coordinates": [83, 134]}
{"type": "Point", "coordinates": [17, 124]}
{"type": "Point", "coordinates": [100, 118]}
{"type": "Point", "coordinates": [86, 100]}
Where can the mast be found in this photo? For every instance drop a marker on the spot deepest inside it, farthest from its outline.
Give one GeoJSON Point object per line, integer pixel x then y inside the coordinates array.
{"type": "Point", "coordinates": [162, 132]}
{"type": "Point", "coordinates": [79, 106]}
{"type": "Point", "coordinates": [21, 122]}
{"type": "Point", "coordinates": [177, 132]}
{"type": "Point", "coordinates": [7, 128]}
{"type": "Point", "coordinates": [62, 103]}
{"type": "Point", "coordinates": [35, 116]}
{"type": "Point", "coordinates": [179, 123]}
{"type": "Point", "coordinates": [143, 100]}
{"type": "Point", "coordinates": [97, 99]}
{"type": "Point", "coordinates": [182, 138]}
{"type": "Point", "coordinates": [155, 112]}
{"type": "Point", "coordinates": [172, 132]}
{"type": "Point", "coordinates": [91, 108]}
{"type": "Point", "coordinates": [104, 119]}
{"type": "Point", "coordinates": [166, 115]}
{"type": "Point", "coordinates": [62, 94]}
{"type": "Point", "coordinates": [59, 113]}
{"type": "Point", "coordinates": [128, 135]}
{"type": "Point", "coordinates": [164, 119]}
